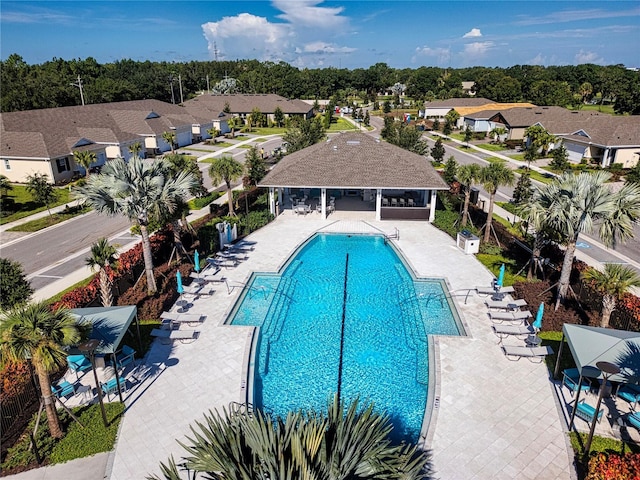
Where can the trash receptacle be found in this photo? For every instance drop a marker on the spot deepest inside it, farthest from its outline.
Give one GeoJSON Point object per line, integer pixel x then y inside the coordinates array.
{"type": "Point", "coordinates": [468, 242]}
{"type": "Point", "coordinates": [473, 197]}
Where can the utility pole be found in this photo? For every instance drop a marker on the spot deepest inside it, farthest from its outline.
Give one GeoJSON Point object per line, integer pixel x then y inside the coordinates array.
{"type": "Point", "coordinates": [173, 98]}
{"type": "Point", "coordinates": [180, 83]}
{"type": "Point", "coordinates": [78, 84]}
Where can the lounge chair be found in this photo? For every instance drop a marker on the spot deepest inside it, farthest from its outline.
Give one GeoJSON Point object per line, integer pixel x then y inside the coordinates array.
{"type": "Point", "coordinates": [78, 363]}
{"type": "Point", "coordinates": [534, 354]}
{"type": "Point", "coordinates": [571, 378]}
{"type": "Point", "coordinates": [518, 316]}
{"type": "Point", "coordinates": [634, 420]}
{"type": "Point", "coordinates": [587, 412]}
{"type": "Point", "coordinates": [630, 393]}
{"type": "Point", "coordinates": [184, 336]}
{"type": "Point", "coordinates": [506, 304]}
{"type": "Point", "coordinates": [503, 331]}
{"type": "Point", "coordinates": [492, 291]}
{"type": "Point", "coordinates": [63, 389]}
{"type": "Point", "coordinates": [191, 319]}
{"type": "Point", "coordinates": [111, 386]}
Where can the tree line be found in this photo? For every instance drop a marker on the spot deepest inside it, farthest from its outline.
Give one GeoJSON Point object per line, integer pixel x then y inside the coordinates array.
{"type": "Point", "coordinates": [55, 83]}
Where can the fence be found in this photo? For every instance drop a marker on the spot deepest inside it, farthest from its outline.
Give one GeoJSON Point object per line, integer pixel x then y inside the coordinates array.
{"type": "Point", "coordinates": [17, 410]}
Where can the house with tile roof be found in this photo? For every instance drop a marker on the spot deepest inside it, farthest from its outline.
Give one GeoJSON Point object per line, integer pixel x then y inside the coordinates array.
{"type": "Point", "coordinates": [381, 177]}
{"type": "Point", "coordinates": [468, 108]}
{"type": "Point", "coordinates": [43, 141]}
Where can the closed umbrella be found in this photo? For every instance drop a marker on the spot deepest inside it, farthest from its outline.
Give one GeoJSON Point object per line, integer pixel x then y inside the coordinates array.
{"type": "Point", "coordinates": [538, 323]}
{"type": "Point", "coordinates": [500, 280]}
{"type": "Point", "coordinates": [196, 261]}
{"type": "Point", "coordinates": [179, 287]}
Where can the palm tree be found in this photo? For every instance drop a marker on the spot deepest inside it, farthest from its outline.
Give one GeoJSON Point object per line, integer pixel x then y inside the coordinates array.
{"type": "Point", "coordinates": [170, 138]}
{"type": "Point", "coordinates": [213, 132]}
{"type": "Point", "coordinates": [613, 283]}
{"type": "Point", "coordinates": [226, 169]}
{"type": "Point", "coordinates": [34, 332]}
{"type": "Point", "coordinates": [576, 203]}
{"type": "Point", "coordinates": [84, 159]}
{"type": "Point", "coordinates": [141, 191]}
{"type": "Point", "coordinates": [102, 256]}
{"type": "Point", "coordinates": [232, 125]}
{"type": "Point", "coordinates": [496, 133]}
{"type": "Point", "coordinates": [534, 217]}
{"type": "Point", "coordinates": [467, 175]}
{"type": "Point", "coordinates": [135, 148]}
{"type": "Point", "coordinates": [492, 177]}
{"type": "Point", "coordinates": [347, 442]}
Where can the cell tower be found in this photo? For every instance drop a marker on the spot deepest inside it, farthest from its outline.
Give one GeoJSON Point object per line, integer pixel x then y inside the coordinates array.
{"type": "Point", "coordinates": [215, 51]}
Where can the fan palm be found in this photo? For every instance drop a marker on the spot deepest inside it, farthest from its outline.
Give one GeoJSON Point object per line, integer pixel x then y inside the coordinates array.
{"type": "Point", "coordinates": [34, 332]}
{"type": "Point", "coordinates": [135, 149]}
{"type": "Point", "coordinates": [496, 133]}
{"type": "Point", "coordinates": [170, 138]}
{"type": "Point", "coordinates": [226, 169]}
{"type": "Point", "coordinates": [467, 175]}
{"type": "Point", "coordinates": [102, 256]}
{"type": "Point", "coordinates": [575, 204]}
{"type": "Point", "coordinates": [232, 123]}
{"type": "Point", "coordinates": [84, 159]}
{"type": "Point", "coordinates": [140, 191]}
{"type": "Point", "coordinates": [612, 283]}
{"type": "Point", "coordinates": [492, 177]}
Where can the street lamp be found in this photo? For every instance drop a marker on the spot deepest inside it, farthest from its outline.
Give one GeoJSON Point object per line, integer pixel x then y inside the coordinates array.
{"type": "Point", "coordinates": [90, 347]}
{"type": "Point", "coordinates": [608, 369]}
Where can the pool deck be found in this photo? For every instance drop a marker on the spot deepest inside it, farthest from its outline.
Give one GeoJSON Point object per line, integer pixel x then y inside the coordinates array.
{"type": "Point", "coordinates": [495, 419]}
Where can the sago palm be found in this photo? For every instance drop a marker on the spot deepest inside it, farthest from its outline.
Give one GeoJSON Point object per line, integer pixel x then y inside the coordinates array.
{"type": "Point", "coordinates": [612, 283]}
{"type": "Point", "coordinates": [33, 332]}
{"type": "Point", "coordinates": [467, 175]}
{"type": "Point", "coordinates": [141, 191]}
{"type": "Point", "coordinates": [581, 203]}
{"type": "Point", "coordinates": [226, 169]}
{"type": "Point", "coordinates": [84, 159]}
{"type": "Point", "coordinates": [492, 177]}
{"type": "Point", "coordinates": [103, 255]}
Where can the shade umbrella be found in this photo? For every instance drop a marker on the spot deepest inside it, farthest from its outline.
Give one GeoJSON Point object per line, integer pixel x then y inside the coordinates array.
{"type": "Point", "coordinates": [500, 280]}
{"type": "Point", "coordinates": [538, 322]}
{"type": "Point", "coordinates": [179, 287]}
{"type": "Point", "coordinates": [196, 261]}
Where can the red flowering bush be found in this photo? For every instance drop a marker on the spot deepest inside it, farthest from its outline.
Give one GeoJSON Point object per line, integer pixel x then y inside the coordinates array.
{"type": "Point", "coordinates": [614, 467]}
{"type": "Point", "coordinates": [15, 376]}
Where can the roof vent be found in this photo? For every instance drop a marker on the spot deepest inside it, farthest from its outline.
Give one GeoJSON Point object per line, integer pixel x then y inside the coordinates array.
{"type": "Point", "coordinates": [335, 147]}
{"type": "Point", "coordinates": [353, 142]}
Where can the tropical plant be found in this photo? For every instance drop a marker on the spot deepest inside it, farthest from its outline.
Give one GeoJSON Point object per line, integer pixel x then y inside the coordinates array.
{"type": "Point", "coordinates": [437, 151]}
{"type": "Point", "coordinates": [492, 177]}
{"type": "Point", "coordinates": [41, 190]}
{"type": "Point", "coordinates": [232, 123]}
{"type": "Point", "coordinates": [213, 133]}
{"type": "Point", "coordinates": [452, 117]}
{"type": "Point", "coordinates": [633, 176]}
{"type": "Point", "coordinates": [534, 217]}
{"type": "Point", "coordinates": [467, 175]}
{"type": "Point", "coordinates": [170, 138]}
{"type": "Point", "coordinates": [538, 136]}
{"type": "Point", "coordinates": [346, 443]}
{"type": "Point", "coordinates": [15, 289]}
{"type": "Point", "coordinates": [33, 332]}
{"type": "Point", "coordinates": [585, 91]}
{"type": "Point", "coordinates": [135, 149]}
{"type": "Point", "coordinates": [84, 158]}
{"type": "Point", "coordinates": [103, 256]}
{"type": "Point", "coordinates": [141, 191]}
{"type": "Point", "coordinates": [612, 283]}
{"type": "Point", "coordinates": [497, 133]}
{"type": "Point", "coordinates": [576, 204]}
{"type": "Point", "coordinates": [226, 169]}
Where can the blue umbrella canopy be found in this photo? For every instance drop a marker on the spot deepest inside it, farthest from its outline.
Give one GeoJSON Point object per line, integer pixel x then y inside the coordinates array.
{"type": "Point", "coordinates": [500, 280]}
{"type": "Point", "coordinates": [538, 323]}
{"type": "Point", "coordinates": [196, 261]}
{"type": "Point", "coordinates": [179, 286]}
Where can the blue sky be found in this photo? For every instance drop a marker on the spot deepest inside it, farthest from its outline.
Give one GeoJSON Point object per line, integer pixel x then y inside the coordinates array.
{"type": "Point", "coordinates": [315, 33]}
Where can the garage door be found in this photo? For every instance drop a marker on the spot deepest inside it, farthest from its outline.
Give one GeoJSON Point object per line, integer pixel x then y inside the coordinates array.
{"type": "Point", "coordinates": [575, 151]}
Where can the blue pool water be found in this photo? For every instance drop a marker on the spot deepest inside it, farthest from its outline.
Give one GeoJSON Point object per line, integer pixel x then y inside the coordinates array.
{"type": "Point", "coordinates": [387, 317]}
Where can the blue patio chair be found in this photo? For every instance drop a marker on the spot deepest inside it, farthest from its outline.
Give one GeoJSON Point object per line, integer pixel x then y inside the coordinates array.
{"type": "Point", "coordinates": [571, 378]}
{"type": "Point", "coordinates": [111, 387]}
{"type": "Point", "coordinates": [630, 393]}
{"type": "Point", "coordinates": [63, 389]}
{"type": "Point", "coordinates": [587, 412]}
{"type": "Point", "coordinates": [78, 363]}
{"type": "Point", "coordinates": [127, 357]}
{"type": "Point", "coordinates": [634, 420]}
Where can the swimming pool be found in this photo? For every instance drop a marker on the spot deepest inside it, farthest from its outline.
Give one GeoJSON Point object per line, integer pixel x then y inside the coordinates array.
{"type": "Point", "coordinates": [351, 294]}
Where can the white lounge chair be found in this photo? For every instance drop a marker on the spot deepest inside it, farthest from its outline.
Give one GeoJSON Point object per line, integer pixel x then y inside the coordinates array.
{"type": "Point", "coordinates": [506, 304]}
{"type": "Point", "coordinates": [493, 291]}
{"type": "Point", "coordinates": [503, 331]}
{"type": "Point", "coordinates": [518, 316]}
{"type": "Point", "coordinates": [184, 336]}
{"type": "Point", "coordinates": [533, 354]}
{"type": "Point", "coordinates": [177, 318]}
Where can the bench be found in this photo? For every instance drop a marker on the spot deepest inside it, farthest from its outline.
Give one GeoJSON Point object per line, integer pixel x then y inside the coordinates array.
{"type": "Point", "coordinates": [587, 412]}
{"type": "Point", "coordinates": [184, 336]}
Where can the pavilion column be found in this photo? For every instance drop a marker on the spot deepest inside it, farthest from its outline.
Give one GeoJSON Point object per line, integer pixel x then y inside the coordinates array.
{"type": "Point", "coordinates": [323, 202]}
{"type": "Point", "coordinates": [605, 158]}
{"type": "Point", "coordinates": [272, 201]}
{"type": "Point", "coordinates": [280, 199]}
{"type": "Point", "coordinates": [432, 206]}
{"type": "Point", "coordinates": [378, 204]}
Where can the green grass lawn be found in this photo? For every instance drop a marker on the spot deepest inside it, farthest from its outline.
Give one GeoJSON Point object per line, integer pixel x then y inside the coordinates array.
{"type": "Point", "coordinates": [50, 220]}
{"type": "Point", "coordinates": [457, 136]}
{"type": "Point", "coordinates": [196, 149]}
{"type": "Point", "coordinates": [23, 204]}
{"type": "Point", "coordinates": [492, 147]}
{"type": "Point", "coordinates": [535, 175]}
{"type": "Point", "coordinates": [597, 108]}
{"type": "Point", "coordinates": [494, 159]}
{"type": "Point", "coordinates": [340, 125]}
{"type": "Point", "coordinates": [269, 131]}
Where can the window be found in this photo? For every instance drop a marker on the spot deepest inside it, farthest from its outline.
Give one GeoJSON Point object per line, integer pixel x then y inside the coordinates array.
{"type": "Point", "coordinates": [62, 164]}
{"type": "Point", "coordinates": [7, 165]}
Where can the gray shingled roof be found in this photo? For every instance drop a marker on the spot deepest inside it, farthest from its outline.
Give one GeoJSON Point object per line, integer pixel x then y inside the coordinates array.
{"type": "Point", "coordinates": [245, 103]}
{"type": "Point", "coordinates": [459, 102]}
{"type": "Point", "coordinates": [354, 160]}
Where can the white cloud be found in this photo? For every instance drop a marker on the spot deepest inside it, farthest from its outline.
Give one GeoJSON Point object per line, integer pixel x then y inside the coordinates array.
{"type": "Point", "coordinates": [576, 16]}
{"type": "Point", "coordinates": [537, 60]}
{"type": "Point", "coordinates": [588, 57]}
{"type": "Point", "coordinates": [474, 32]}
{"type": "Point", "coordinates": [295, 39]}
{"type": "Point", "coordinates": [443, 55]}
{"type": "Point", "coordinates": [477, 49]}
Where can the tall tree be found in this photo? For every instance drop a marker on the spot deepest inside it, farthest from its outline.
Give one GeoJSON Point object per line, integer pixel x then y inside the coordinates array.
{"type": "Point", "coordinates": [170, 138]}
{"type": "Point", "coordinates": [468, 135]}
{"type": "Point", "coordinates": [255, 167]}
{"type": "Point", "coordinates": [141, 191]}
{"type": "Point", "coordinates": [33, 332]}
{"type": "Point", "coordinates": [85, 159]}
{"type": "Point", "coordinates": [576, 204]}
{"type": "Point", "coordinates": [524, 190]}
{"type": "Point", "coordinates": [534, 218]}
{"type": "Point", "coordinates": [41, 190]}
{"type": "Point", "coordinates": [103, 258]}
{"type": "Point", "coordinates": [492, 177]}
{"type": "Point", "coordinates": [278, 116]}
{"type": "Point", "coordinates": [232, 123]}
{"type": "Point", "coordinates": [226, 169]}
{"type": "Point", "coordinates": [450, 170]}
{"type": "Point", "coordinates": [135, 149]}
{"type": "Point", "coordinates": [497, 134]}
{"type": "Point", "coordinates": [612, 284]}
{"type": "Point", "coordinates": [303, 134]}
{"type": "Point", "coordinates": [437, 151]}
{"type": "Point", "coordinates": [559, 159]}
{"type": "Point", "coordinates": [15, 289]}
{"type": "Point", "coordinates": [213, 133]}
{"type": "Point", "coordinates": [467, 175]}
{"type": "Point", "coordinates": [404, 136]}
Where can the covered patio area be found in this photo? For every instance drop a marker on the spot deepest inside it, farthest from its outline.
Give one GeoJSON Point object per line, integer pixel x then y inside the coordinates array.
{"type": "Point", "coordinates": [358, 172]}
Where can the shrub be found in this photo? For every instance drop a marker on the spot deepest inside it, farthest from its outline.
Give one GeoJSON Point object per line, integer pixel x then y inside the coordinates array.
{"type": "Point", "coordinates": [611, 466]}
{"type": "Point", "coordinates": [201, 202]}
{"type": "Point", "coordinates": [254, 221]}
{"type": "Point", "coordinates": [14, 286]}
